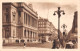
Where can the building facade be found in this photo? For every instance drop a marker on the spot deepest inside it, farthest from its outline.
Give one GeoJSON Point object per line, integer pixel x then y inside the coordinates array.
{"type": "Point", "coordinates": [72, 35]}
{"type": "Point", "coordinates": [74, 30]}
{"type": "Point", "coordinates": [45, 30]}
{"type": "Point", "coordinates": [19, 23]}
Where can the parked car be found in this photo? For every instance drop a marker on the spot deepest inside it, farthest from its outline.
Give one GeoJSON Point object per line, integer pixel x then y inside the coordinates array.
{"type": "Point", "coordinates": [69, 45]}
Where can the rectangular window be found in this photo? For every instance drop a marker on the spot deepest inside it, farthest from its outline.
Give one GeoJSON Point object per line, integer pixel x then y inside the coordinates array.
{"type": "Point", "coordinates": [7, 18]}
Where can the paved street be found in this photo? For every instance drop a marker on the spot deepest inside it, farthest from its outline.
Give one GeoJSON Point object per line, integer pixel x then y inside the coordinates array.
{"type": "Point", "coordinates": [30, 45]}
{"type": "Point", "coordinates": [18, 47]}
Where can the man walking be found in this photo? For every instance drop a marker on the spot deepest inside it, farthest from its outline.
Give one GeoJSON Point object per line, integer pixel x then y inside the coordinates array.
{"type": "Point", "coordinates": [56, 44]}
{"type": "Point", "coordinates": [24, 44]}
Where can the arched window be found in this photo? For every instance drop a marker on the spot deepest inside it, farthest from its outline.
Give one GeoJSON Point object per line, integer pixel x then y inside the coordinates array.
{"type": "Point", "coordinates": [31, 34]}
{"type": "Point", "coordinates": [24, 33]}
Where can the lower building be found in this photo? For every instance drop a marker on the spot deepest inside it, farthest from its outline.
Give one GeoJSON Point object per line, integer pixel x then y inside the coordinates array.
{"type": "Point", "coordinates": [45, 30]}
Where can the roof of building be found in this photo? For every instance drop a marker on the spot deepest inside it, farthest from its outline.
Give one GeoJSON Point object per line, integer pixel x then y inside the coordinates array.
{"type": "Point", "coordinates": [15, 4]}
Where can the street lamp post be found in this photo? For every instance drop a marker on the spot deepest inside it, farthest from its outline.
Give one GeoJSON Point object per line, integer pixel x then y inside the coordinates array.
{"type": "Point", "coordinates": [59, 15]}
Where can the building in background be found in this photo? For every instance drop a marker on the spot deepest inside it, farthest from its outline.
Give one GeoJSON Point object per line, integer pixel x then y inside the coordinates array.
{"type": "Point", "coordinates": [19, 23]}
{"type": "Point", "coordinates": [72, 35]}
{"type": "Point", "coordinates": [45, 30]}
{"type": "Point", "coordinates": [73, 32]}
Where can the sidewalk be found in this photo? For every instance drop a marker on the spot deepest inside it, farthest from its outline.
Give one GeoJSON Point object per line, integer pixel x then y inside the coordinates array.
{"type": "Point", "coordinates": [16, 47]}
{"type": "Point", "coordinates": [21, 47]}
{"type": "Point", "coordinates": [29, 45]}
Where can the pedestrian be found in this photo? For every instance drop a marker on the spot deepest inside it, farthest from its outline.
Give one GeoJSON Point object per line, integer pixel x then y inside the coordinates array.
{"type": "Point", "coordinates": [57, 43]}
{"type": "Point", "coordinates": [54, 45]}
{"type": "Point", "coordinates": [24, 44]}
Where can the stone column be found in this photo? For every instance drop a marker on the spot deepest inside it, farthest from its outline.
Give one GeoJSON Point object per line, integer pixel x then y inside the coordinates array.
{"type": "Point", "coordinates": [26, 33]}
{"type": "Point", "coordinates": [25, 18]}
{"type": "Point", "coordinates": [34, 36]}
{"type": "Point", "coordinates": [30, 21]}
{"type": "Point", "coordinates": [22, 18]}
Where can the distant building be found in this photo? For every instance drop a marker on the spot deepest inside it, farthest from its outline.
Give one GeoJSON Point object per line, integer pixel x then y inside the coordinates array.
{"type": "Point", "coordinates": [73, 32]}
{"type": "Point", "coordinates": [19, 23]}
{"type": "Point", "coordinates": [72, 35]}
{"type": "Point", "coordinates": [45, 29]}
{"type": "Point", "coordinates": [54, 32]}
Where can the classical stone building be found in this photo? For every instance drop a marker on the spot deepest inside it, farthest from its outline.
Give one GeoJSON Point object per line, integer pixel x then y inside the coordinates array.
{"type": "Point", "coordinates": [19, 23]}
{"type": "Point", "coordinates": [45, 30]}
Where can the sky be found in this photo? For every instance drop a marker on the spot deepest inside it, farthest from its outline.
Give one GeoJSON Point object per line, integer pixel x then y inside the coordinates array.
{"type": "Point", "coordinates": [46, 10]}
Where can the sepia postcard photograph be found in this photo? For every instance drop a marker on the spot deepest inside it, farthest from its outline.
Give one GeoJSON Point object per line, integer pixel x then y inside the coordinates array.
{"type": "Point", "coordinates": [40, 25]}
